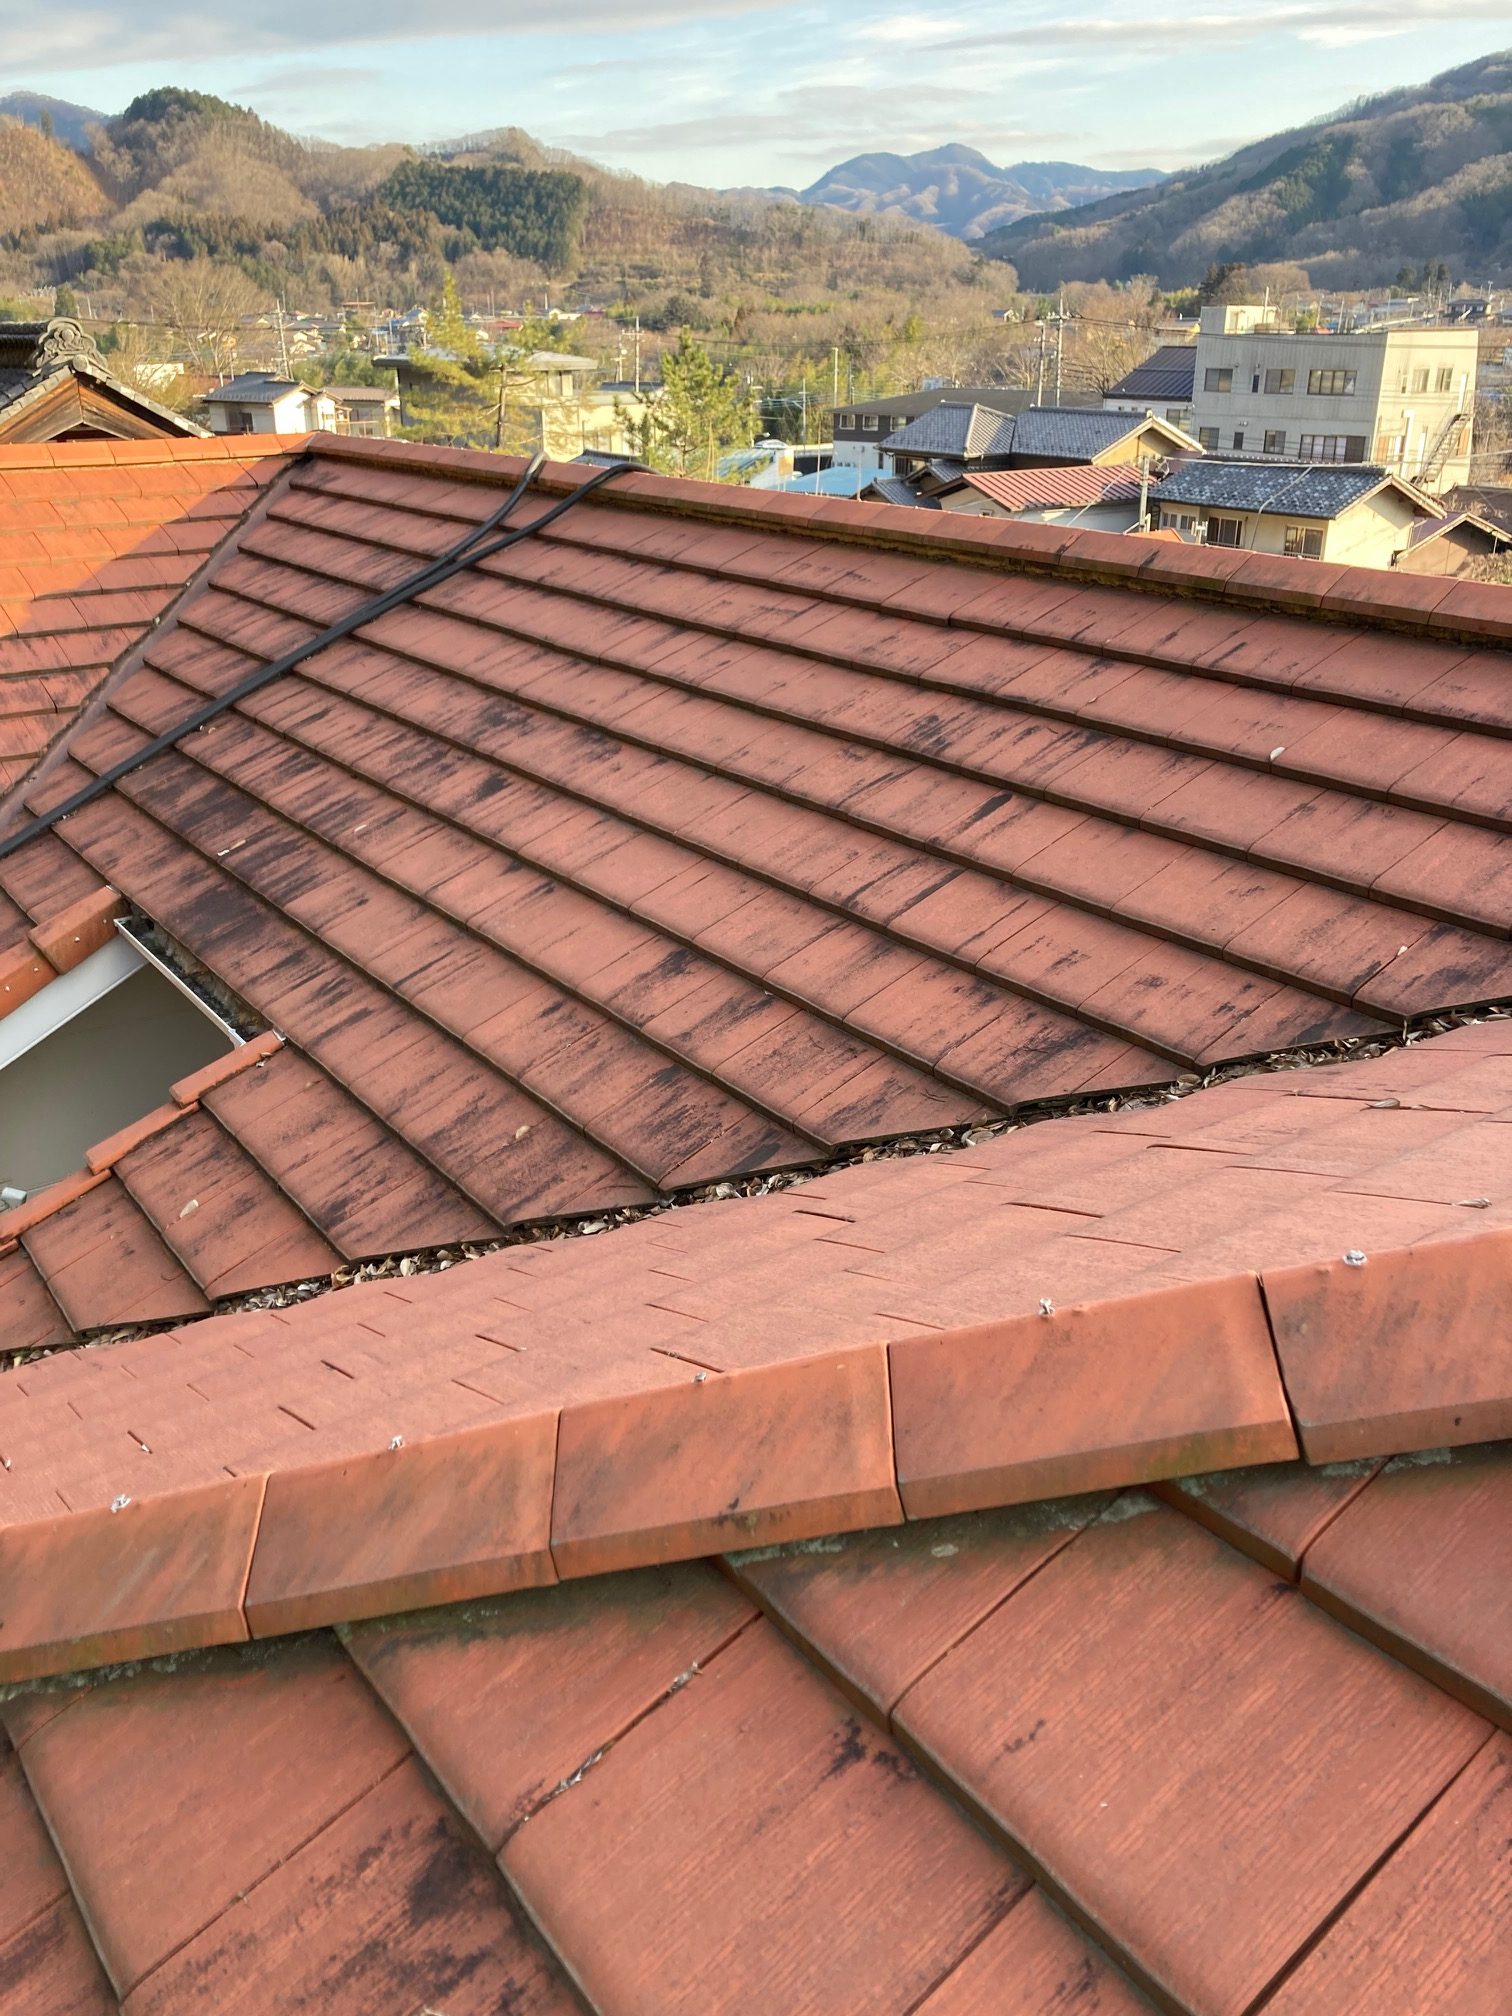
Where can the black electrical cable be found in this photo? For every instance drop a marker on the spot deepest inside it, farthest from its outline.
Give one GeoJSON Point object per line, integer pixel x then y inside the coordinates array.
{"type": "Point", "coordinates": [475, 546]}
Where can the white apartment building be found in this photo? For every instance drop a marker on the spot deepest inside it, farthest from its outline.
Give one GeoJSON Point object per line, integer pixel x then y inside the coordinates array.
{"type": "Point", "coordinates": [1402, 399]}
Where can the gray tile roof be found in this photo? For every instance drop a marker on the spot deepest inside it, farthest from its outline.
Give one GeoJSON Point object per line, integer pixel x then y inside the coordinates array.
{"type": "Point", "coordinates": [965, 433]}
{"type": "Point", "coordinates": [909, 405]}
{"type": "Point", "coordinates": [1168, 373]}
{"type": "Point", "coordinates": [898, 490]}
{"type": "Point", "coordinates": [1067, 434]}
{"type": "Point", "coordinates": [1275, 489]}
{"type": "Point", "coordinates": [253, 388]}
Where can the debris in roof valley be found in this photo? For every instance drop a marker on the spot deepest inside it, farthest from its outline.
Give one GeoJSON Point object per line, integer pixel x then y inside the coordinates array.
{"type": "Point", "coordinates": [944, 1141]}
{"type": "Point", "coordinates": [844, 1264]}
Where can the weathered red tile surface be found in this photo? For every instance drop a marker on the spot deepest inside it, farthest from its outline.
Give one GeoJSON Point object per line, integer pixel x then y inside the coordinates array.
{"type": "Point", "coordinates": [882, 1607]}
{"type": "Point", "coordinates": [1071, 1400]}
{"type": "Point", "coordinates": [1274, 1511]}
{"type": "Point", "coordinates": [50, 1968]}
{"type": "Point", "coordinates": [1421, 1562]}
{"type": "Point", "coordinates": [1180, 1742]}
{"type": "Point", "coordinates": [392, 1906]}
{"type": "Point", "coordinates": [699, 835]}
{"type": "Point", "coordinates": [285, 1744]}
{"type": "Point", "coordinates": [754, 1799]}
{"type": "Point", "coordinates": [434, 1521]}
{"type": "Point", "coordinates": [778, 1454]}
{"type": "Point", "coordinates": [156, 1576]}
{"type": "Point", "coordinates": [1433, 1930]}
{"type": "Point", "coordinates": [98, 540]}
{"type": "Point", "coordinates": [1411, 1349]}
{"type": "Point", "coordinates": [1035, 1963]}
{"type": "Point", "coordinates": [507, 1700]}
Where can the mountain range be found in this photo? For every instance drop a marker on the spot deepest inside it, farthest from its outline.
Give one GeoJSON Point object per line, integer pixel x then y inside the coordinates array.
{"type": "Point", "coordinates": [960, 191]}
{"type": "Point", "coordinates": [1418, 175]}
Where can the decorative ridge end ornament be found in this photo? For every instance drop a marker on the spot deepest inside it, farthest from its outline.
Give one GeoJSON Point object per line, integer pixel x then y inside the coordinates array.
{"type": "Point", "coordinates": [66, 341]}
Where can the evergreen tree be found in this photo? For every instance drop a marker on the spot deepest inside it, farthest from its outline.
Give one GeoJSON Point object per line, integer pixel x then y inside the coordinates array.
{"type": "Point", "coordinates": [470, 394]}
{"type": "Point", "coordinates": [66, 302]}
{"type": "Point", "coordinates": [702, 412]}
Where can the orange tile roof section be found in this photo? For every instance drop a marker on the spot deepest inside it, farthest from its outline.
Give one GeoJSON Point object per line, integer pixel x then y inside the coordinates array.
{"type": "Point", "coordinates": [1286, 1263]}
{"type": "Point", "coordinates": [712, 831]}
{"type": "Point", "coordinates": [96, 540]}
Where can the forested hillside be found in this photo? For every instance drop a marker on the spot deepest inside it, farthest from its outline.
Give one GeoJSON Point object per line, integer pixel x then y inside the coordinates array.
{"type": "Point", "coordinates": [1417, 176]}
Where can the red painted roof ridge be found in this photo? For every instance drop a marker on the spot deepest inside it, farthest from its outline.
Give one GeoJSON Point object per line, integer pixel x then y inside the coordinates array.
{"type": "Point", "coordinates": [56, 941]}
{"type": "Point", "coordinates": [159, 451]}
{"type": "Point", "coordinates": [1425, 605]}
{"type": "Point", "coordinates": [256, 1050]}
{"type": "Point", "coordinates": [1140, 1378]}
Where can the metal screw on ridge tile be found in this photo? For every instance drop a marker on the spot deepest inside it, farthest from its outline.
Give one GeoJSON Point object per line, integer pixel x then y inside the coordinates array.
{"type": "Point", "coordinates": [119, 1504]}
{"type": "Point", "coordinates": [396, 1441]}
{"type": "Point", "coordinates": [699, 1378]}
{"type": "Point", "coordinates": [1047, 1307]}
{"type": "Point", "coordinates": [1354, 1257]}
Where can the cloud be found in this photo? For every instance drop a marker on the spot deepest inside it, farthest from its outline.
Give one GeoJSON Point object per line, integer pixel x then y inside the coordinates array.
{"type": "Point", "coordinates": [67, 35]}
{"type": "Point", "coordinates": [1326, 22]}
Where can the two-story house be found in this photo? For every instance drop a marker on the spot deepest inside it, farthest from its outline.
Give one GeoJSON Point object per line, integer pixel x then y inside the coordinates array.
{"type": "Point", "coordinates": [1402, 398]}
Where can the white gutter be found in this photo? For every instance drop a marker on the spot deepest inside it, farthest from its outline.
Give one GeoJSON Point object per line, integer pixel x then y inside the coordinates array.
{"type": "Point", "coordinates": [67, 996]}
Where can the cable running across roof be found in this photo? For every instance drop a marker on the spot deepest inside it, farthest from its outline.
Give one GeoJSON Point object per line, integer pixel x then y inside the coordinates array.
{"type": "Point", "coordinates": [475, 546]}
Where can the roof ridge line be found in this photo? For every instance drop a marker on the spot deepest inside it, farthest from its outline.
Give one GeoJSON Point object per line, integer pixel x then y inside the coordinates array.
{"type": "Point", "coordinates": [912, 1428]}
{"type": "Point", "coordinates": [1457, 610]}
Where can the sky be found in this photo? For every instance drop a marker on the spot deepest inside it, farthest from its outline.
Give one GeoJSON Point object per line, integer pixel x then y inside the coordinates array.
{"type": "Point", "coordinates": [729, 93]}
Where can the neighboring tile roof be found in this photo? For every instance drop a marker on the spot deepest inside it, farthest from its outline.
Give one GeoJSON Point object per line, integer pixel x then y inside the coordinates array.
{"type": "Point", "coordinates": [1166, 374]}
{"type": "Point", "coordinates": [1279, 489]}
{"type": "Point", "coordinates": [963, 432]}
{"type": "Point", "coordinates": [1068, 483]}
{"type": "Point", "coordinates": [1072, 436]}
{"type": "Point", "coordinates": [900, 490]}
{"type": "Point", "coordinates": [1241, 1724]}
{"type": "Point", "coordinates": [253, 388]}
{"type": "Point", "coordinates": [37, 359]}
{"type": "Point", "coordinates": [96, 540]}
{"type": "Point", "coordinates": [1000, 398]}
{"type": "Point", "coordinates": [690, 840]}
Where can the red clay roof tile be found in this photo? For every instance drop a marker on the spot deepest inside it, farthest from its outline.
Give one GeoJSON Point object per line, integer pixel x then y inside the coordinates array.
{"type": "Point", "coordinates": [1123, 1717]}
{"type": "Point", "coordinates": [656, 648]}
{"type": "Point", "coordinates": [1421, 1562]}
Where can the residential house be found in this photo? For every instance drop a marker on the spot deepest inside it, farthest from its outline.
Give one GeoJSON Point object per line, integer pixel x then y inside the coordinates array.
{"type": "Point", "coordinates": [371, 411]}
{"type": "Point", "coordinates": [1308, 511]}
{"type": "Point", "coordinates": [259, 402]}
{"type": "Point", "coordinates": [1454, 544]}
{"type": "Point", "coordinates": [1161, 384]}
{"type": "Point", "coordinates": [930, 455]}
{"type": "Point", "coordinates": [1097, 497]}
{"type": "Point", "coordinates": [1401, 399]}
{"type": "Point", "coordinates": [860, 427]}
{"type": "Point", "coordinates": [56, 386]}
{"type": "Point", "coordinates": [777, 1320]}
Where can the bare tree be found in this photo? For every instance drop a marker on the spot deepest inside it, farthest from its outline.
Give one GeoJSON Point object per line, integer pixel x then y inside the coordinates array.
{"type": "Point", "coordinates": [205, 303]}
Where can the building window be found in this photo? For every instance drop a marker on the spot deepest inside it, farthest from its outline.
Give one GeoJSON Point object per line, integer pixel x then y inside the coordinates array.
{"type": "Point", "coordinates": [1332, 448]}
{"type": "Point", "coordinates": [1176, 415]}
{"type": "Point", "coordinates": [1419, 381]}
{"type": "Point", "coordinates": [846, 421]}
{"type": "Point", "coordinates": [1304, 542]}
{"type": "Point", "coordinates": [1388, 448]}
{"type": "Point", "coordinates": [869, 423]}
{"type": "Point", "coordinates": [1331, 384]}
{"type": "Point", "coordinates": [1275, 440]}
{"type": "Point", "coordinates": [1445, 378]}
{"type": "Point", "coordinates": [1238, 437]}
{"type": "Point", "coordinates": [1280, 381]}
{"type": "Point", "coordinates": [1218, 378]}
{"type": "Point", "coordinates": [241, 420]}
{"type": "Point", "coordinates": [1208, 436]}
{"type": "Point", "coordinates": [1225, 531]}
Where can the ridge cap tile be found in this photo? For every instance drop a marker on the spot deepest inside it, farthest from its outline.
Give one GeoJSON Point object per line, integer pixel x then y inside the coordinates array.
{"type": "Point", "coordinates": [780, 1452]}
{"type": "Point", "coordinates": [439, 1520]}
{"type": "Point", "coordinates": [165, 1573]}
{"type": "Point", "coordinates": [1117, 1391]}
{"type": "Point", "coordinates": [1403, 1350]}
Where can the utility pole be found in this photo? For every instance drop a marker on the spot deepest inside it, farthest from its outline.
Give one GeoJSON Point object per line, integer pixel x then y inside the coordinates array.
{"type": "Point", "coordinates": [835, 394]}
{"type": "Point", "coordinates": [1060, 336]}
{"type": "Point", "coordinates": [805, 409]}
{"type": "Point", "coordinates": [283, 347]}
{"type": "Point", "coordinates": [1039, 383]}
{"type": "Point", "coordinates": [637, 353]}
